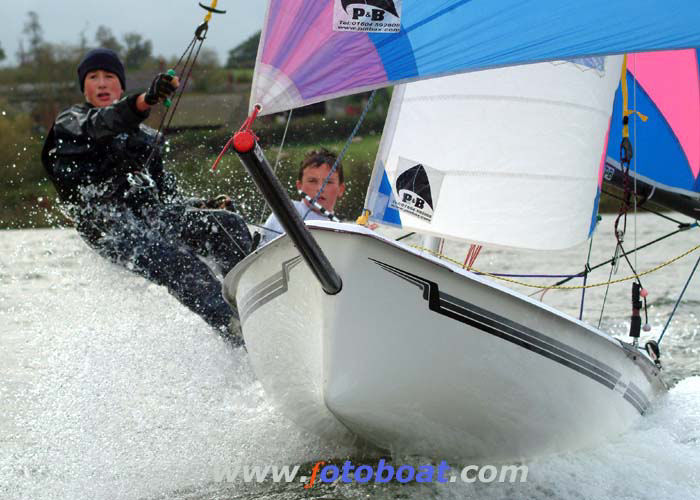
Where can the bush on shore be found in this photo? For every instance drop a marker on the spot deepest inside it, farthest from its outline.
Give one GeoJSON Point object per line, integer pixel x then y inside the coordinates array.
{"type": "Point", "coordinates": [27, 198]}
{"type": "Point", "coordinates": [25, 192]}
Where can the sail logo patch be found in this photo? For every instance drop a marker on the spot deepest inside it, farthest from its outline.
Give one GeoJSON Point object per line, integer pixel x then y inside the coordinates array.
{"type": "Point", "coordinates": [367, 16]}
{"type": "Point", "coordinates": [417, 187]}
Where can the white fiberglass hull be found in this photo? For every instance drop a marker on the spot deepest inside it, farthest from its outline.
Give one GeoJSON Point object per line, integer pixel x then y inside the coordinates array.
{"type": "Point", "coordinates": [419, 357]}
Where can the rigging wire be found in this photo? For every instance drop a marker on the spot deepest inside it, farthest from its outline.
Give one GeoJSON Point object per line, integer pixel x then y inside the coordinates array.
{"type": "Point", "coordinates": [240, 249]}
{"type": "Point", "coordinates": [642, 207]}
{"type": "Point", "coordinates": [605, 298]}
{"type": "Point", "coordinates": [587, 270]}
{"type": "Point", "coordinates": [680, 297]}
{"type": "Point", "coordinates": [200, 35]}
{"type": "Point", "coordinates": [684, 227]}
{"type": "Point", "coordinates": [187, 77]}
{"type": "Point", "coordinates": [279, 157]}
{"type": "Point", "coordinates": [627, 154]}
{"type": "Point", "coordinates": [344, 150]}
{"type": "Point", "coordinates": [634, 159]}
{"type": "Point", "coordinates": [557, 287]}
{"type": "Point", "coordinates": [190, 55]}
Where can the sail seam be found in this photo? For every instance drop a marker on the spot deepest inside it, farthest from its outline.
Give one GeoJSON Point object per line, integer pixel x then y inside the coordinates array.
{"type": "Point", "coordinates": [525, 100]}
{"type": "Point", "coordinates": [484, 173]}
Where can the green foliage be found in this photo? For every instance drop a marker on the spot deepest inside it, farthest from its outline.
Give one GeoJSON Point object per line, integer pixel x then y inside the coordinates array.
{"type": "Point", "coordinates": [137, 50]}
{"type": "Point", "coordinates": [192, 164]}
{"type": "Point", "coordinates": [192, 152]}
{"type": "Point", "coordinates": [14, 129]}
{"type": "Point", "coordinates": [302, 130]}
{"type": "Point", "coordinates": [34, 31]}
{"type": "Point", "coordinates": [2, 54]}
{"type": "Point", "coordinates": [208, 58]}
{"type": "Point", "coordinates": [244, 55]}
{"type": "Point", "coordinates": [42, 61]}
{"type": "Point", "coordinates": [25, 193]}
{"type": "Point", "coordinates": [243, 75]}
{"type": "Point", "coordinates": [105, 39]}
{"type": "Point", "coordinates": [207, 77]}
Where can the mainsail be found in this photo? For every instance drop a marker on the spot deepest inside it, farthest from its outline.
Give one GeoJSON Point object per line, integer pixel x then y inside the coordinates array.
{"type": "Point", "coordinates": [665, 88]}
{"type": "Point", "coordinates": [509, 156]}
{"type": "Point", "coordinates": [313, 50]}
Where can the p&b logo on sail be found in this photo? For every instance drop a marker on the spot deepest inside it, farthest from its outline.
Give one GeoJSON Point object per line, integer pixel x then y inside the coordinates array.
{"type": "Point", "coordinates": [367, 16]}
{"type": "Point", "coordinates": [416, 192]}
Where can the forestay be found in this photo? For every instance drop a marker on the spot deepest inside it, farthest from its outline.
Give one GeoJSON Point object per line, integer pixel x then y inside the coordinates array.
{"type": "Point", "coordinates": [510, 156]}
{"type": "Point", "coordinates": [313, 50]}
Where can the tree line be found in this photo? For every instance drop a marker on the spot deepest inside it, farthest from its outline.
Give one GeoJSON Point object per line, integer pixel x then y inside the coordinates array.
{"type": "Point", "coordinates": [36, 56]}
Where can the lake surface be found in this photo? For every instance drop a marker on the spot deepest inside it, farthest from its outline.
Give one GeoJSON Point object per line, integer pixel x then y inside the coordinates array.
{"type": "Point", "coordinates": [109, 389]}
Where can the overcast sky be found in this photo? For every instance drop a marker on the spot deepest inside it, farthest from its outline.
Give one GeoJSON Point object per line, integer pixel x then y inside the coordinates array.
{"type": "Point", "coordinates": [169, 24]}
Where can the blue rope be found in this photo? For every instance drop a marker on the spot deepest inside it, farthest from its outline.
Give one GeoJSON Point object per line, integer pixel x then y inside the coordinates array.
{"type": "Point", "coordinates": [502, 275]}
{"type": "Point", "coordinates": [345, 150]}
{"type": "Point", "coordinates": [679, 301]}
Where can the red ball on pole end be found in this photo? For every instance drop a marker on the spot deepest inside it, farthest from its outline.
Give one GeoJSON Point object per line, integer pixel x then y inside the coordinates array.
{"type": "Point", "coordinates": [644, 292]}
{"type": "Point", "coordinates": [244, 142]}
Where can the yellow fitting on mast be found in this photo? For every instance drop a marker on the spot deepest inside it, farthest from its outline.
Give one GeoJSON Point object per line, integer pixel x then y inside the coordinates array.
{"type": "Point", "coordinates": [625, 98]}
{"type": "Point", "coordinates": [363, 220]}
{"type": "Point", "coordinates": [211, 9]}
{"type": "Point", "coordinates": [207, 18]}
{"type": "Point", "coordinates": [625, 101]}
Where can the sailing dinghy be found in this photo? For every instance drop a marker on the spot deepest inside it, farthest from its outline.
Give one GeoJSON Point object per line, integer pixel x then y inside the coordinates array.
{"type": "Point", "coordinates": [356, 335]}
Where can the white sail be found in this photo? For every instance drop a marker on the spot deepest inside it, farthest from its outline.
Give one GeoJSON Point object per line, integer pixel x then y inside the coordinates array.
{"type": "Point", "coordinates": [509, 157]}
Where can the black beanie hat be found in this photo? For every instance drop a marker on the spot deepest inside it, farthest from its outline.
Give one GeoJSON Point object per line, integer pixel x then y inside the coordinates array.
{"type": "Point", "coordinates": [104, 59]}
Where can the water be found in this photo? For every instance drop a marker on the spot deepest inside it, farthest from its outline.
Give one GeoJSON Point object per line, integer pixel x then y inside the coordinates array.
{"type": "Point", "coordinates": [110, 389]}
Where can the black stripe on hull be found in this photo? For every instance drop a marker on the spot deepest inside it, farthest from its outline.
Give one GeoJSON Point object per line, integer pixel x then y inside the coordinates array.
{"type": "Point", "coordinates": [273, 287]}
{"type": "Point", "coordinates": [522, 339]}
{"type": "Point", "coordinates": [520, 335]}
{"type": "Point", "coordinates": [537, 338]}
{"type": "Point", "coordinates": [631, 400]}
{"type": "Point", "coordinates": [637, 394]}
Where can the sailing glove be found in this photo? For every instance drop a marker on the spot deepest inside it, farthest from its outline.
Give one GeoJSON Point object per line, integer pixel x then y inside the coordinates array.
{"type": "Point", "coordinates": [221, 202]}
{"type": "Point", "coordinates": [161, 89]}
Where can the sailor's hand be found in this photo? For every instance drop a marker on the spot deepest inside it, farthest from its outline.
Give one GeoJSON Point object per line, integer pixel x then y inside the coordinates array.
{"type": "Point", "coordinates": [162, 88]}
{"type": "Point", "coordinates": [221, 202]}
{"type": "Point", "coordinates": [195, 203]}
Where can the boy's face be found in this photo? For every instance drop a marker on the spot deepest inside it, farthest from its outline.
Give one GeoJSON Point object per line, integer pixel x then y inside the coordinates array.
{"type": "Point", "coordinates": [312, 180]}
{"type": "Point", "coordinates": [102, 88]}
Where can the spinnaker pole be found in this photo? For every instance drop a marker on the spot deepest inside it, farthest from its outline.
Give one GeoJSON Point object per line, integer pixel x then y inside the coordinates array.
{"type": "Point", "coordinates": [251, 155]}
